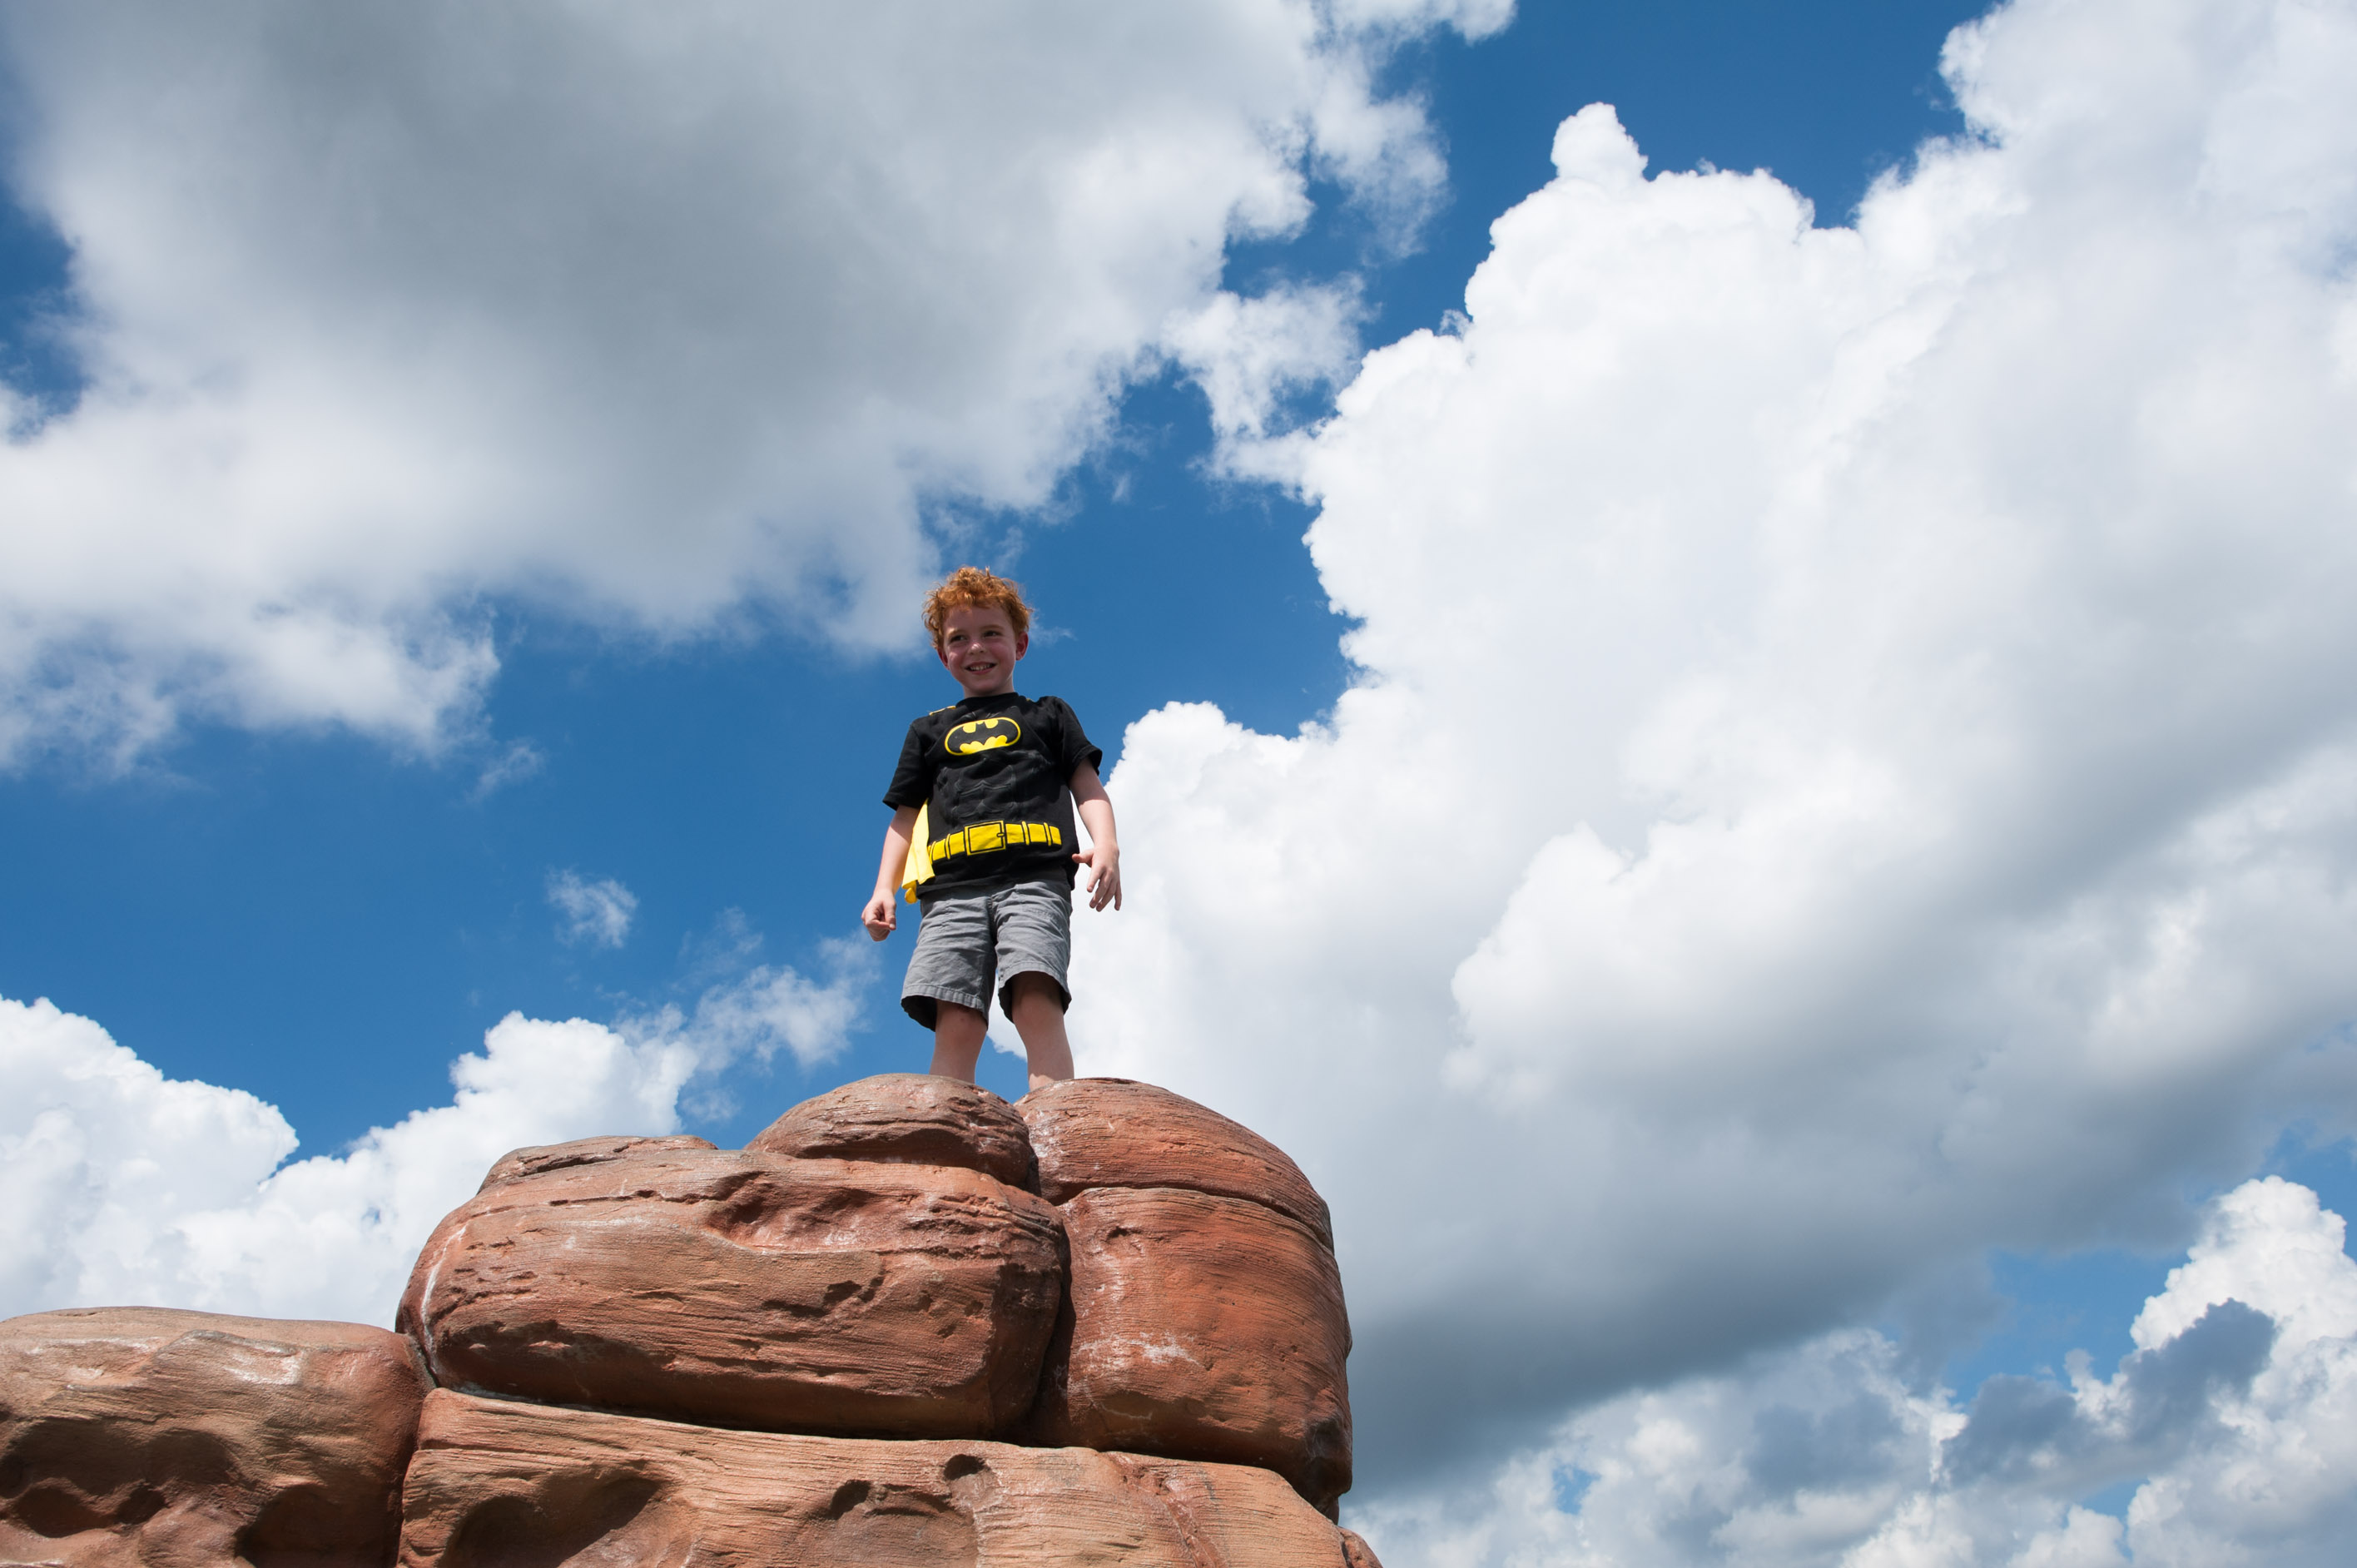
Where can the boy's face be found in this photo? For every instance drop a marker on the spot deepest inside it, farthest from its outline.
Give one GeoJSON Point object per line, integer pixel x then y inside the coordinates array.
{"type": "Point", "coordinates": [979, 647]}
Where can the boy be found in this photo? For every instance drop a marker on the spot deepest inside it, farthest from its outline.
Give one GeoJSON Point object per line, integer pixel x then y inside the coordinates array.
{"type": "Point", "coordinates": [998, 775]}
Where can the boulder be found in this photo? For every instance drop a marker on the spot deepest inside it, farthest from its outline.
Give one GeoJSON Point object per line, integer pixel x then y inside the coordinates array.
{"type": "Point", "coordinates": [1356, 1552]}
{"type": "Point", "coordinates": [908, 1118]}
{"type": "Point", "coordinates": [748, 1290]}
{"type": "Point", "coordinates": [1201, 1327]}
{"type": "Point", "coordinates": [137, 1435]}
{"type": "Point", "coordinates": [1092, 1132]}
{"type": "Point", "coordinates": [500, 1482]}
{"type": "Point", "coordinates": [546, 1158]}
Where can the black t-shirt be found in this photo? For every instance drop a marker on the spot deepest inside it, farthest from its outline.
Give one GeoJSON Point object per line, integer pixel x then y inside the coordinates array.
{"type": "Point", "coordinates": [1004, 759]}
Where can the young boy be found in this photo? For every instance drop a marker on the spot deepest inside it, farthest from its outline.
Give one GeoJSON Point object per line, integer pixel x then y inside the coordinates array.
{"type": "Point", "coordinates": [998, 775]}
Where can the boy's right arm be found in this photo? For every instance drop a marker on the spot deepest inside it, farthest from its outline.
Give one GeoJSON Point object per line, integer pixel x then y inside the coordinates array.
{"type": "Point", "coordinates": [878, 916]}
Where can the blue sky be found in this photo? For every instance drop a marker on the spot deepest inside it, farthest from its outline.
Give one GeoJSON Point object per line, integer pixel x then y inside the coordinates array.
{"type": "Point", "coordinates": [267, 880]}
{"type": "Point", "coordinates": [1876, 693]}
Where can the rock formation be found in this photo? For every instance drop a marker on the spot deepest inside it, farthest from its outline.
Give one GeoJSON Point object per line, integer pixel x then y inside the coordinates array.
{"type": "Point", "coordinates": [747, 1290]}
{"type": "Point", "coordinates": [137, 1434]}
{"type": "Point", "coordinates": [908, 1323]}
{"type": "Point", "coordinates": [493, 1480]}
{"type": "Point", "coordinates": [1201, 1327]}
{"type": "Point", "coordinates": [1204, 1317]}
{"type": "Point", "coordinates": [908, 1118]}
{"type": "Point", "coordinates": [1092, 1132]}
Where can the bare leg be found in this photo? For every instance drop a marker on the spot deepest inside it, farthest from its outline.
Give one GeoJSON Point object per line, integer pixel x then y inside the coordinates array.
{"type": "Point", "coordinates": [1039, 1014]}
{"type": "Point", "coordinates": [957, 1040]}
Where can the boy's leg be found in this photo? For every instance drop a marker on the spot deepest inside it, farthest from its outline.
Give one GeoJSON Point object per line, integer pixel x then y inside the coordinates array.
{"type": "Point", "coordinates": [1034, 950]}
{"type": "Point", "coordinates": [957, 1040]}
{"type": "Point", "coordinates": [948, 987]}
{"type": "Point", "coordinates": [1036, 1003]}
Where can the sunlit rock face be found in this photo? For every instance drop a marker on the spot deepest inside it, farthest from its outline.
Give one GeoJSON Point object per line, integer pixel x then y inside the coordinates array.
{"type": "Point", "coordinates": [748, 1290]}
{"type": "Point", "coordinates": [908, 1324]}
{"type": "Point", "coordinates": [1093, 1132]}
{"type": "Point", "coordinates": [908, 1118]}
{"type": "Point", "coordinates": [498, 1482]}
{"type": "Point", "coordinates": [1205, 1316]}
{"type": "Point", "coordinates": [137, 1435]}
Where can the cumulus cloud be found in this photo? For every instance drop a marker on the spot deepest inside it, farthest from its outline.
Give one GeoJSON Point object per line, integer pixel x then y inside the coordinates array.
{"type": "Point", "coordinates": [172, 1193]}
{"type": "Point", "coordinates": [132, 1188]}
{"type": "Point", "coordinates": [767, 1008]}
{"type": "Point", "coordinates": [1251, 356]}
{"type": "Point", "coordinates": [103, 1152]}
{"type": "Point", "coordinates": [2230, 1426]}
{"type": "Point", "coordinates": [389, 312]}
{"type": "Point", "coordinates": [1853, 755]}
{"type": "Point", "coordinates": [597, 912]}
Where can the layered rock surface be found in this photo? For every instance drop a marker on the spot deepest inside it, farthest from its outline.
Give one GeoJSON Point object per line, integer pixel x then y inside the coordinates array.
{"type": "Point", "coordinates": [1204, 1327]}
{"type": "Point", "coordinates": [908, 1323]}
{"type": "Point", "coordinates": [541, 1159]}
{"type": "Point", "coordinates": [1092, 1132]}
{"type": "Point", "coordinates": [748, 1290]}
{"type": "Point", "coordinates": [1204, 1317]}
{"type": "Point", "coordinates": [500, 1482]}
{"type": "Point", "coordinates": [908, 1118]}
{"type": "Point", "coordinates": [140, 1435]}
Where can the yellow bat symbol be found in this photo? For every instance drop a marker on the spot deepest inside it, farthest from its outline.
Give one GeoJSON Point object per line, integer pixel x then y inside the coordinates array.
{"type": "Point", "coordinates": [981, 735]}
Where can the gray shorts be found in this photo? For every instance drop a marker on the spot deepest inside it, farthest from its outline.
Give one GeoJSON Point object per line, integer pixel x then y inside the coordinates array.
{"type": "Point", "coordinates": [966, 938]}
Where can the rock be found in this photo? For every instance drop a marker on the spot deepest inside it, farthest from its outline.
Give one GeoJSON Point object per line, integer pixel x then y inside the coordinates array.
{"type": "Point", "coordinates": [1092, 1132]}
{"type": "Point", "coordinates": [137, 1434]}
{"type": "Point", "coordinates": [1356, 1552]}
{"type": "Point", "coordinates": [748, 1290]}
{"type": "Point", "coordinates": [1201, 1327]}
{"type": "Point", "coordinates": [547, 1158]}
{"type": "Point", "coordinates": [498, 1483]}
{"type": "Point", "coordinates": [908, 1118]}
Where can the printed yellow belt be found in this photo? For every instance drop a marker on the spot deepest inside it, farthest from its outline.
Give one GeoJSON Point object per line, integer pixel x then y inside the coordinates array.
{"type": "Point", "coordinates": [982, 837]}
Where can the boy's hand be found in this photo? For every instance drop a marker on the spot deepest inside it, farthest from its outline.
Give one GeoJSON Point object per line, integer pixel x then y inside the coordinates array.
{"type": "Point", "coordinates": [878, 915]}
{"type": "Point", "coordinates": [1103, 860]}
{"type": "Point", "coordinates": [1102, 857]}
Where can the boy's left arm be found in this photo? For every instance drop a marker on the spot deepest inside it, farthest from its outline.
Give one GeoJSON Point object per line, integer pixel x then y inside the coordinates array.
{"type": "Point", "coordinates": [1102, 857]}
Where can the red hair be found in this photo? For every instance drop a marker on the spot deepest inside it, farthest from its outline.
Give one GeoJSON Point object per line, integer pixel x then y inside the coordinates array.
{"type": "Point", "coordinates": [972, 585]}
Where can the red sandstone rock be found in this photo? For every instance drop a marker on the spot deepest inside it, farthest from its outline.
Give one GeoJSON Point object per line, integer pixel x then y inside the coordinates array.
{"type": "Point", "coordinates": [748, 1290]}
{"type": "Point", "coordinates": [546, 1158]}
{"type": "Point", "coordinates": [1094, 1133]}
{"type": "Point", "coordinates": [1356, 1552]}
{"type": "Point", "coordinates": [1201, 1327]}
{"type": "Point", "coordinates": [911, 1118]}
{"type": "Point", "coordinates": [135, 1434]}
{"type": "Point", "coordinates": [498, 1483]}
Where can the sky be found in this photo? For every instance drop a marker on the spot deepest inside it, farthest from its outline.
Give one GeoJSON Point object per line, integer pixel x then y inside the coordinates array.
{"type": "Point", "coordinates": [1719, 632]}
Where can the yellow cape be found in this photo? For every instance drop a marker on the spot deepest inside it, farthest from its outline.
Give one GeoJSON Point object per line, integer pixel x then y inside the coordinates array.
{"type": "Point", "coordinates": [920, 864]}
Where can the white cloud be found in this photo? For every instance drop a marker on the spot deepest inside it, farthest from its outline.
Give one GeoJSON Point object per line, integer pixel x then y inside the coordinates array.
{"type": "Point", "coordinates": [389, 308]}
{"type": "Point", "coordinates": [2270, 1246]}
{"type": "Point", "coordinates": [1855, 755]}
{"type": "Point", "coordinates": [101, 1152]}
{"type": "Point", "coordinates": [129, 1188]}
{"type": "Point", "coordinates": [1250, 355]}
{"type": "Point", "coordinates": [770, 1007]}
{"type": "Point", "coordinates": [519, 761]}
{"type": "Point", "coordinates": [139, 1189]}
{"type": "Point", "coordinates": [2232, 1430]}
{"type": "Point", "coordinates": [599, 912]}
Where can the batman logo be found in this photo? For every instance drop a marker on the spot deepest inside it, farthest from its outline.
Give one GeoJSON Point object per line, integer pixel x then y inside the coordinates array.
{"type": "Point", "coordinates": [982, 734]}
